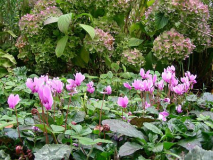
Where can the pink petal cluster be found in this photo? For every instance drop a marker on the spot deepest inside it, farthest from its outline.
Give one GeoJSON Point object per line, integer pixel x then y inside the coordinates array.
{"type": "Point", "coordinates": [13, 100]}
{"type": "Point", "coordinates": [108, 90]}
{"type": "Point", "coordinates": [45, 96]}
{"type": "Point", "coordinates": [90, 87]}
{"type": "Point", "coordinates": [179, 109]}
{"type": "Point", "coordinates": [127, 85]}
{"type": "Point", "coordinates": [79, 79]}
{"type": "Point", "coordinates": [163, 115]}
{"type": "Point", "coordinates": [57, 85]}
{"type": "Point", "coordinates": [147, 105]}
{"type": "Point", "coordinates": [123, 101]}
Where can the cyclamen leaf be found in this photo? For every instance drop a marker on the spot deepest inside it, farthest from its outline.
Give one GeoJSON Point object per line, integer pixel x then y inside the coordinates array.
{"type": "Point", "coordinates": [64, 22]}
{"type": "Point", "coordinates": [90, 30]}
{"type": "Point", "coordinates": [53, 152]}
{"type": "Point", "coordinates": [129, 148]}
{"type": "Point", "coordinates": [133, 42]}
{"type": "Point", "coordinates": [123, 128]}
{"type": "Point", "coordinates": [61, 46]}
{"type": "Point", "coordinates": [199, 153]}
{"type": "Point", "coordinates": [153, 128]}
{"type": "Point", "coordinates": [89, 141]}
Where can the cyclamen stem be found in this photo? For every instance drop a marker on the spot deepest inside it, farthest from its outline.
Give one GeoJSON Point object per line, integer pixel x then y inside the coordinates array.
{"type": "Point", "coordinates": [18, 125]}
{"type": "Point", "coordinates": [100, 115]}
{"type": "Point", "coordinates": [45, 130]}
{"type": "Point", "coordinates": [143, 106]}
{"type": "Point", "coordinates": [67, 113]}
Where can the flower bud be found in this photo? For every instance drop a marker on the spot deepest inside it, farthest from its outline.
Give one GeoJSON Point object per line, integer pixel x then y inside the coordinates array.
{"type": "Point", "coordinates": [19, 149]}
{"type": "Point", "coordinates": [106, 128]}
{"type": "Point", "coordinates": [34, 111]}
{"type": "Point", "coordinates": [73, 123]}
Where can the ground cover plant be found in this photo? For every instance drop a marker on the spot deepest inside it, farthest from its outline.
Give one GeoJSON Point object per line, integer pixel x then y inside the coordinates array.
{"type": "Point", "coordinates": [149, 115]}
{"type": "Point", "coordinates": [101, 79]}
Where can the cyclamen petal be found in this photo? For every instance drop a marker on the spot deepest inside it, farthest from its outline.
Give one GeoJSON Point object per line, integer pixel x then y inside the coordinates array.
{"type": "Point", "coordinates": [13, 100]}
{"type": "Point", "coordinates": [179, 109]}
{"type": "Point", "coordinates": [163, 115]}
{"type": "Point", "coordinates": [45, 96]}
{"type": "Point", "coordinates": [79, 79]}
{"type": "Point", "coordinates": [123, 102]}
{"type": "Point", "coordinates": [127, 85]}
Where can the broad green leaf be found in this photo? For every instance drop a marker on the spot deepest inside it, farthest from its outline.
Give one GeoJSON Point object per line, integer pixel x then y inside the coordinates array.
{"type": "Point", "coordinates": [3, 72]}
{"type": "Point", "coordinates": [51, 20]}
{"type": "Point", "coordinates": [53, 152]}
{"type": "Point", "coordinates": [160, 21]}
{"type": "Point", "coordinates": [153, 128]}
{"type": "Point", "coordinates": [61, 46]}
{"type": "Point", "coordinates": [134, 42]}
{"type": "Point", "coordinates": [124, 128]}
{"type": "Point", "coordinates": [129, 148]}
{"type": "Point", "coordinates": [64, 22]}
{"type": "Point", "coordinates": [57, 129]}
{"type": "Point", "coordinates": [90, 30]}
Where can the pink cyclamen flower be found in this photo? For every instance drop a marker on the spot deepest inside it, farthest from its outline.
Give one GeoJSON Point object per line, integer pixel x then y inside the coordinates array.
{"type": "Point", "coordinates": [123, 102]}
{"type": "Point", "coordinates": [57, 85]}
{"type": "Point", "coordinates": [137, 84]}
{"type": "Point", "coordinates": [160, 85]}
{"type": "Point", "coordinates": [79, 79]}
{"type": "Point", "coordinates": [163, 115]}
{"type": "Point", "coordinates": [45, 96]}
{"type": "Point", "coordinates": [90, 87]}
{"type": "Point", "coordinates": [71, 84]}
{"type": "Point", "coordinates": [145, 75]}
{"type": "Point", "coordinates": [30, 85]}
{"type": "Point", "coordinates": [127, 85]}
{"type": "Point", "coordinates": [167, 76]}
{"type": "Point", "coordinates": [108, 90]}
{"type": "Point", "coordinates": [179, 109]}
{"type": "Point", "coordinates": [13, 100]}
{"type": "Point", "coordinates": [167, 100]}
{"type": "Point", "coordinates": [147, 105]}
{"type": "Point", "coordinates": [179, 89]}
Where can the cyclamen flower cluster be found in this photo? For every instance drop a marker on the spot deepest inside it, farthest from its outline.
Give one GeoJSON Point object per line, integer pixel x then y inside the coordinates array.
{"type": "Point", "coordinates": [171, 45]}
{"type": "Point", "coordinates": [133, 58]}
{"type": "Point", "coordinates": [106, 38]}
{"type": "Point", "coordinates": [188, 17]}
{"type": "Point", "coordinates": [148, 83]}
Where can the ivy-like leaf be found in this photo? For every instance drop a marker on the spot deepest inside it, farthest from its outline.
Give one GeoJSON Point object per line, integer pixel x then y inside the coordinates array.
{"type": "Point", "coordinates": [123, 128]}
{"type": "Point", "coordinates": [129, 148]}
{"type": "Point", "coordinates": [53, 152]}
{"type": "Point", "coordinates": [153, 128]}
{"type": "Point", "coordinates": [199, 153]}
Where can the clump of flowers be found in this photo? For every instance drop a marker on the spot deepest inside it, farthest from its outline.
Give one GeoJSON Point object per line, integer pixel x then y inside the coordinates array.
{"type": "Point", "coordinates": [171, 46]}
{"type": "Point", "coordinates": [102, 43]}
{"type": "Point", "coordinates": [133, 58]}
{"type": "Point", "coordinates": [31, 24]}
{"type": "Point", "coordinates": [118, 6]}
{"type": "Point", "coordinates": [188, 17]}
